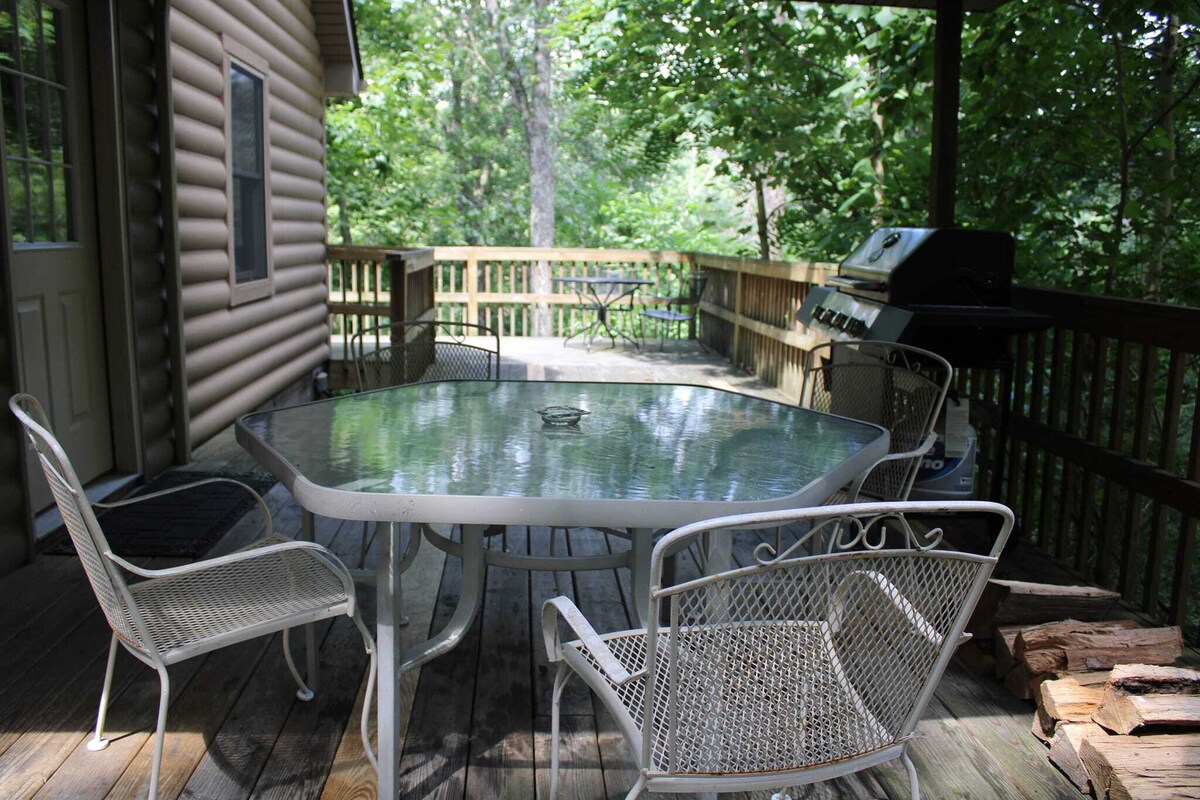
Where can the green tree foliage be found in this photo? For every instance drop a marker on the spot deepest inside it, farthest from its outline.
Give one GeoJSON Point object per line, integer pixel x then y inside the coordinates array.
{"type": "Point", "coordinates": [1079, 123]}
{"type": "Point", "coordinates": [433, 151]}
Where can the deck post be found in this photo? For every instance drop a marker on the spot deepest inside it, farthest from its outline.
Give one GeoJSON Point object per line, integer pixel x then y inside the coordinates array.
{"type": "Point", "coordinates": [398, 288]}
{"type": "Point", "coordinates": [472, 287]}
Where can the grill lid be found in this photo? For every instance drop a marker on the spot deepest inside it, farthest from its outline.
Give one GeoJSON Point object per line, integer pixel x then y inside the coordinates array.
{"type": "Point", "coordinates": [931, 266]}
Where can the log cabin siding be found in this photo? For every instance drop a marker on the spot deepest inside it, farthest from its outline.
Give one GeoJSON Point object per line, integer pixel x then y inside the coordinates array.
{"type": "Point", "coordinates": [238, 356]}
{"type": "Point", "coordinates": [140, 90]}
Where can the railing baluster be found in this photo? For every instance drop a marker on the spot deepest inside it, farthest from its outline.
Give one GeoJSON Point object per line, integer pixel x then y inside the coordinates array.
{"type": "Point", "coordinates": [1147, 368]}
{"type": "Point", "coordinates": [1166, 460]}
{"type": "Point", "coordinates": [1116, 435]}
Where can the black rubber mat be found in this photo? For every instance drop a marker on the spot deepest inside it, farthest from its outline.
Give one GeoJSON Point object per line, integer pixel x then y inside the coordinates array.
{"type": "Point", "coordinates": [181, 525]}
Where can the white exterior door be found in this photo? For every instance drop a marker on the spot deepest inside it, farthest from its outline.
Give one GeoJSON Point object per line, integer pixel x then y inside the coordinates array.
{"type": "Point", "coordinates": [49, 189]}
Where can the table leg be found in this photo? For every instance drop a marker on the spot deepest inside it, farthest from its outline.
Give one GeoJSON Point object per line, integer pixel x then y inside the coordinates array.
{"type": "Point", "coordinates": [639, 572]}
{"type": "Point", "coordinates": [308, 534]}
{"type": "Point", "coordinates": [387, 641]}
{"type": "Point", "coordinates": [719, 557]}
{"type": "Point", "coordinates": [464, 612]}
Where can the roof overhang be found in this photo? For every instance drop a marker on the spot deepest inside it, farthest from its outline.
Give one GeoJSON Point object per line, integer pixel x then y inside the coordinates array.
{"type": "Point", "coordinates": [337, 37]}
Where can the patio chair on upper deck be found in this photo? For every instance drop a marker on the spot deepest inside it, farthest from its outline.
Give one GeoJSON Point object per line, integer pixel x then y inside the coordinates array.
{"type": "Point", "coordinates": [896, 386]}
{"type": "Point", "coordinates": [413, 351]}
{"type": "Point", "coordinates": [795, 669]}
{"type": "Point", "coordinates": [677, 310]}
{"type": "Point", "coordinates": [181, 612]}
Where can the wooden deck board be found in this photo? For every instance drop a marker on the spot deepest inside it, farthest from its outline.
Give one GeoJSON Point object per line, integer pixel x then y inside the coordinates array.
{"type": "Point", "coordinates": [479, 724]}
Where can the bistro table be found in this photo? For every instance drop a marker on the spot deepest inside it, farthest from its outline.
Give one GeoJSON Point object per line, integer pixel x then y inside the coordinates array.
{"type": "Point", "coordinates": [600, 293]}
{"type": "Point", "coordinates": [646, 457]}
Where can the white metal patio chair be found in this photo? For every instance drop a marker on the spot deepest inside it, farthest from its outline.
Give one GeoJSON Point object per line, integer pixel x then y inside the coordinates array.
{"type": "Point", "coordinates": [412, 351]}
{"type": "Point", "coordinates": [899, 387]}
{"type": "Point", "coordinates": [795, 669]}
{"type": "Point", "coordinates": [676, 310]}
{"type": "Point", "coordinates": [181, 612]}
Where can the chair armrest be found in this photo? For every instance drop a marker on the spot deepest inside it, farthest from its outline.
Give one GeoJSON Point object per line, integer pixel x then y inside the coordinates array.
{"type": "Point", "coordinates": [320, 553]}
{"type": "Point", "coordinates": [893, 596]}
{"type": "Point", "coordinates": [257, 498]}
{"type": "Point", "coordinates": [562, 607]}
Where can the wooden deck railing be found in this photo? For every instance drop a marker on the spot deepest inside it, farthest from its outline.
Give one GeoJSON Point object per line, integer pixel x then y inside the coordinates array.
{"type": "Point", "coordinates": [1102, 458]}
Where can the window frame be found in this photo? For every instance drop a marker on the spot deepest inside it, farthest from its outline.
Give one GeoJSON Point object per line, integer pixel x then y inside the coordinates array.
{"type": "Point", "coordinates": [234, 54]}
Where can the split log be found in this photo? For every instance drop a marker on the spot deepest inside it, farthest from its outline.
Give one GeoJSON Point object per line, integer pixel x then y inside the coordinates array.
{"type": "Point", "coordinates": [1003, 644]}
{"type": "Point", "coordinates": [1021, 683]}
{"type": "Point", "coordinates": [1143, 767]}
{"type": "Point", "coordinates": [1079, 646]}
{"type": "Point", "coordinates": [1151, 679]}
{"type": "Point", "coordinates": [976, 657]}
{"type": "Point", "coordinates": [1072, 698]}
{"type": "Point", "coordinates": [1138, 695]}
{"type": "Point", "coordinates": [1022, 603]}
{"type": "Point", "coordinates": [1064, 750]}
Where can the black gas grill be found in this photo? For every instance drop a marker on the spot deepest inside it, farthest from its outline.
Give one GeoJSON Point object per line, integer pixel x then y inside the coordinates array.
{"type": "Point", "coordinates": [947, 290]}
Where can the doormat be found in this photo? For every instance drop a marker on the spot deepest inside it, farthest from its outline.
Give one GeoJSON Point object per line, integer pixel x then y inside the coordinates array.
{"type": "Point", "coordinates": [182, 525]}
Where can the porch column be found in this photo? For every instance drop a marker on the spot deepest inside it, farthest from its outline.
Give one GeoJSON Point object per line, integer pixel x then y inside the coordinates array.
{"type": "Point", "coordinates": [947, 62]}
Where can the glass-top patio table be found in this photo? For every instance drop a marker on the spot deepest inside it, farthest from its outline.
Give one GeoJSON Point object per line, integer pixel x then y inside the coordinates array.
{"type": "Point", "coordinates": [601, 293]}
{"type": "Point", "coordinates": [646, 457]}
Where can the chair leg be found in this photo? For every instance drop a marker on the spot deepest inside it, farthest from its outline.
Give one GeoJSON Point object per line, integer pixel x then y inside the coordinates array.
{"type": "Point", "coordinates": [161, 731]}
{"type": "Point", "coordinates": [372, 675]}
{"type": "Point", "coordinates": [304, 693]}
{"type": "Point", "coordinates": [637, 788]}
{"type": "Point", "coordinates": [560, 681]}
{"type": "Point", "coordinates": [98, 742]}
{"type": "Point", "coordinates": [914, 787]}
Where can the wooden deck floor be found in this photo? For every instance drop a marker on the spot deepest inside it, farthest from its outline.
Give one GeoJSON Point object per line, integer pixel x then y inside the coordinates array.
{"type": "Point", "coordinates": [480, 715]}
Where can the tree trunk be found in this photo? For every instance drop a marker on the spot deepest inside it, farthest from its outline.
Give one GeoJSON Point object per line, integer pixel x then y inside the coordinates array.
{"type": "Point", "coordinates": [344, 218]}
{"type": "Point", "coordinates": [877, 166]}
{"type": "Point", "coordinates": [541, 164]}
{"type": "Point", "coordinates": [1112, 246]}
{"type": "Point", "coordinates": [1166, 171]}
{"type": "Point", "coordinates": [533, 103]}
{"type": "Point", "coordinates": [760, 217]}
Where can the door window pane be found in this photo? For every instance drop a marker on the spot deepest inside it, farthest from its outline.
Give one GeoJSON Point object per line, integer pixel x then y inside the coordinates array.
{"type": "Point", "coordinates": [8, 41]}
{"type": "Point", "coordinates": [51, 44]}
{"type": "Point", "coordinates": [9, 89]}
{"type": "Point", "coordinates": [40, 201]}
{"type": "Point", "coordinates": [35, 121]}
{"type": "Point", "coordinates": [247, 150]}
{"type": "Point", "coordinates": [18, 207]}
{"type": "Point", "coordinates": [27, 34]}
{"type": "Point", "coordinates": [62, 208]}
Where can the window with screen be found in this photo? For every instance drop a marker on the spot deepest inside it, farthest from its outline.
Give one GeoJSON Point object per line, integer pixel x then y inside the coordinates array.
{"type": "Point", "coordinates": [249, 189]}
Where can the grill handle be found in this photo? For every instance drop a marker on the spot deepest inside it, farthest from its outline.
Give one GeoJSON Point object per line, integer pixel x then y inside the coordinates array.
{"type": "Point", "coordinates": [860, 284]}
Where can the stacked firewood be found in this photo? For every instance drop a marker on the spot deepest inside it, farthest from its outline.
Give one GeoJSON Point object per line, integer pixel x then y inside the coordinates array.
{"type": "Point", "coordinates": [1120, 720]}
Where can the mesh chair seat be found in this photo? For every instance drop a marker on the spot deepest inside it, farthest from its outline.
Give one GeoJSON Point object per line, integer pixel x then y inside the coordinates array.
{"type": "Point", "coordinates": [665, 315]}
{"type": "Point", "coordinates": [771, 723]}
{"type": "Point", "coordinates": [191, 613]}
